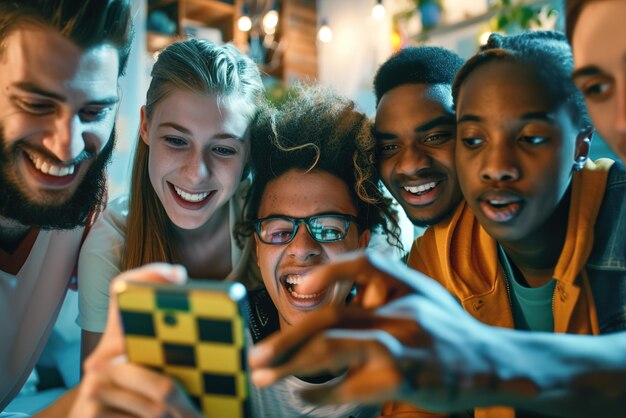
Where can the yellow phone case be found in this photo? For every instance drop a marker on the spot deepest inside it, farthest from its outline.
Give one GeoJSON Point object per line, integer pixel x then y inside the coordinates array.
{"type": "Point", "coordinates": [193, 333]}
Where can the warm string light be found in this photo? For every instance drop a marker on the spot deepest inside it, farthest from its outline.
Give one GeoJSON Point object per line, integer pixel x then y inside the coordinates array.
{"type": "Point", "coordinates": [325, 33]}
{"type": "Point", "coordinates": [244, 23]}
{"type": "Point", "coordinates": [378, 11]}
{"type": "Point", "coordinates": [269, 22]}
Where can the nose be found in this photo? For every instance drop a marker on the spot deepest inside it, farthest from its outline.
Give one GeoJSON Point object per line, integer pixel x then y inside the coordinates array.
{"type": "Point", "coordinates": [303, 247]}
{"type": "Point", "coordinates": [196, 169]}
{"type": "Point", "coordinates": [499, 164]}
{"type": "Point", "coordinates": [412, 160]}
{"type": "Point", "coordinates": [65, 140]}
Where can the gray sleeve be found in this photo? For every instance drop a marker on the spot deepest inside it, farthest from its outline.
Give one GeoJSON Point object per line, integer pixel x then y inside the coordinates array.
{"type": "Point", "coordinates": [99, 262]}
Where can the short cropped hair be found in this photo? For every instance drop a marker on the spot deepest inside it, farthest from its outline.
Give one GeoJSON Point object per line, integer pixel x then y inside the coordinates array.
{"type": "Point", "coordinates": [413, 65]}
{"type": "Point", "coordinates": [548, 53]}
{"type": "Point", "coordinates": [87, 23]}
{"type": "Point", "coordinates": [317, 129]}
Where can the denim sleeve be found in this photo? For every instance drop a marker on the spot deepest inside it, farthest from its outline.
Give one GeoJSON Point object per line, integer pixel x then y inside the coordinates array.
{"type": "Point", "coordinates": [607, 264]}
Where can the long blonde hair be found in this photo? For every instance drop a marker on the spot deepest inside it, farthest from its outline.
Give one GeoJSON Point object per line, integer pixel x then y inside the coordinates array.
{"type": "Point", "coordinates": [198, 66]}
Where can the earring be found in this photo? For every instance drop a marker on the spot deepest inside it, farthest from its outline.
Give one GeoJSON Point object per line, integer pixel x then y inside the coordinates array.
{"type": "Point", "coordinates": [580, 162]}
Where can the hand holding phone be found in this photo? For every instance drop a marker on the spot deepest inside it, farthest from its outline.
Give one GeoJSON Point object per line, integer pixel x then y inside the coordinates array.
{"type": "Point", "coordinates": [194, 333]}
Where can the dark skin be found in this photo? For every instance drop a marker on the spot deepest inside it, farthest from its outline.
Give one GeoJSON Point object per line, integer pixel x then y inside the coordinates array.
{"type": "Point", "coordinates": [515, 153]}
{"type": "Point", "coordinates": [537, 256]}
{"type": "Point", "coordinates": [415, 132]}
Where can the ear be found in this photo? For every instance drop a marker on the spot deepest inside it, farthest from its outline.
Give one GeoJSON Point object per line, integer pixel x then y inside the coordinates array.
{"type": "Point", "coordinates": [143, 126]}
{"type": "Point", "coordinates": [364, 238]}
{"type": "Point", "coordinates": [583, 143]}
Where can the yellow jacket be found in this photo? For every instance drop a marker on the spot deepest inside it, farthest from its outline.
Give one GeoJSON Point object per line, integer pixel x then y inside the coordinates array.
{"type": "Point", "coordinates": [463, 257]}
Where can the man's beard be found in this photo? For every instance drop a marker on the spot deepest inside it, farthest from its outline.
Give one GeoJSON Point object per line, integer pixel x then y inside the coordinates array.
{"type": "Point", "coordinates": [74, 212]}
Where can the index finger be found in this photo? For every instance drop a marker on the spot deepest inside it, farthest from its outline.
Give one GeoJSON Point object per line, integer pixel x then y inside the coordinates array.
{"type": "Point", "coordinates": [376, 276]}
{"type": "Point", "coordinates": [280, 345]}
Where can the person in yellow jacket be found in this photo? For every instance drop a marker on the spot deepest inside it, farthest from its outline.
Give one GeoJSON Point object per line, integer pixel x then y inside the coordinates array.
{"type": "Point", "coordinates": [514, 253]}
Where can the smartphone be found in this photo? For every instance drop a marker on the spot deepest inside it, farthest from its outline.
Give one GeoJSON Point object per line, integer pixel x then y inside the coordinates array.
{"type": "Point", "coordinates": [194, 333]}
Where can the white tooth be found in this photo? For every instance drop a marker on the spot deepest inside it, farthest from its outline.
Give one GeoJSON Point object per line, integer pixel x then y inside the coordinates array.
{"type": "Point", "coordinates": [54, 170]}
{"type": "Point", "coordinates": [294, 279]}
{"type": "Point", "coordinates": [299, 296]}
{"type": "Point", "coordinates": [191, 197]}
{"type": "Point", "coordinates": [425, 187]}
{"type": "Point", "coordinates": [49, 168]}
{"type": "Point", "coordinates": [421, 188]}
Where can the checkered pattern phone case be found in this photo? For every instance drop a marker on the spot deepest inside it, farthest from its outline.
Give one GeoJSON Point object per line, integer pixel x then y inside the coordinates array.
{"type": "Point", "coordinates": [195, 335]}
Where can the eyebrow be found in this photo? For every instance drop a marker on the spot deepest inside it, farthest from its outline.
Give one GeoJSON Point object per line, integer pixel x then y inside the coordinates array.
{"type": "Point", "coordinates": [182, 129]}
{"type": "Point", "coordinates": [585, 71]}
{"type": "Point", "coordinates": [175, 126]}
{"type": "Point", "coordinates": [32, 88]}
{"type": "Point", "coordinates": [547, 116]}
{"type": "Point", "coordinates": [469, 118]}
{"type": "Point", "coordinates": [447, 119]}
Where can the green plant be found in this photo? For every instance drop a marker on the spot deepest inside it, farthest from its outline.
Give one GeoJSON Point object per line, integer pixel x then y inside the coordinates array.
{"type": "Point", "coordinates": [514, 15]}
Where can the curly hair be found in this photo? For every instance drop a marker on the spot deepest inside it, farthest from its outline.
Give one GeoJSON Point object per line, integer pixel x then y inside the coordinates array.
{"type": "Point", "coordinates": [417, 64]}
{"type": "Point", "coordinates": [547, 53]}
{"type": "Point", "coordinates": [316, 129]}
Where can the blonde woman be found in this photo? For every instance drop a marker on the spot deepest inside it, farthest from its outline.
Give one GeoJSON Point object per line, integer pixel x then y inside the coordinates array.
{"type": "Point", "coordinates": [189, 166]}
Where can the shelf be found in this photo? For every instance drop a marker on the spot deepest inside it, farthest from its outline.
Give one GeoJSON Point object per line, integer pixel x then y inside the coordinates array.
{"type": "Point", "coordinates": [298, 29]}
{"type": "Point", "coordinates": [209, 12]}
{"type": "Point", "coordinates": [157, 41]}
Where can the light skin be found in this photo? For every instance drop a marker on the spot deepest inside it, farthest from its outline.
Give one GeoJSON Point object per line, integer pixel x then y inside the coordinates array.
{"type": "Point", "coordinates": [58, 119]}
{"type": "Point", "coordinates": [144, 393]}
{"type": "Point", "coordinates": [197, 148]}
{"type": "Point", "coordinates": [514, 159]}
{"type": "Point", "coordinates": [599, 47]}
{"type": "Point", "coordinates": [415, 133]}
{"type": "Point", "coordinates": [112, 387]}
{"type": "Point", "coordinates": [64, 116]}
{"type": "Point", "coordinates": [299, 194]}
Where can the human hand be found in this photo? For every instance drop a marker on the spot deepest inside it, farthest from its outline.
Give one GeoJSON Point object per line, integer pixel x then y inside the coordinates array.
{"type": "Point", "coordinates": [113, 387]}
{"type": "Point", "coordinates": [422, 348]}
{"type": "Point", "coordinates": [127, 390]}
{"type": "Point", "coordinates": [378, 278]}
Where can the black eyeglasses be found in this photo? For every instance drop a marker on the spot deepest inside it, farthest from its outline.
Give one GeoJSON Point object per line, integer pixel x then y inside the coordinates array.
{"type": "Point", "coordinates": [328, 227]}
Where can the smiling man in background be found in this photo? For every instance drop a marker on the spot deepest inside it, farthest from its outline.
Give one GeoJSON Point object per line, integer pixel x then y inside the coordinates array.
{"type": "Point", "coordinates": [59, 67]}
{"type": "Point", "coordinates": [415, 131]}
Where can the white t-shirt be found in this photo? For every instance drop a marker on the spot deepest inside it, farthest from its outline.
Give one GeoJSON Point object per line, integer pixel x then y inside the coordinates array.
{"type": "Point", "coordinates": [29, 304]}
{"type": "Point", "coordinates": [282, 400]}
{"type": "Point", "coordinates": [101, 257]}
